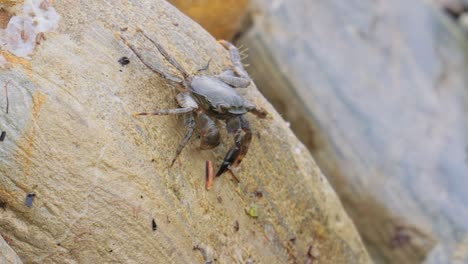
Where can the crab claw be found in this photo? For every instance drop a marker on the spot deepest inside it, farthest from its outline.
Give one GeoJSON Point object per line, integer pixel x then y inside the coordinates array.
{"type": "Point", "coordinates": [235, 155]}
{"type": "Point", "coordinates": [229, 159]}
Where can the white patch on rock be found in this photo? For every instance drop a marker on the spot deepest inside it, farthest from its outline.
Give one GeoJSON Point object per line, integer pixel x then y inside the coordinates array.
{"type": "Point", "coordinates": [36, 17]}
{"type": "Point", "coordinates": [297, 150]}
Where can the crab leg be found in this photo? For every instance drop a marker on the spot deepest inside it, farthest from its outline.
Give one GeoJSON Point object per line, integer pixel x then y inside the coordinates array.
{"type": "Point", "coordinates": [244, 141]}
{"type": "Point", "coordinates": [184, 100]}
{"type": "Point", "coordinates": [236, 59]}
{"type": "Point", "coordinates": [241, 145]}
{"type": "Point", "coordinates": [149, 66]}
{"type": "Point", "coordinates": [232, 80]}
{"type": "Point", "coordinates": [190, 124]}
{"type": "Point", "coordinates": [188, 105]}
{"type": "Point", "coordinates": [176, 111]}
{"type": "Point", "coordinates": [166, 55]}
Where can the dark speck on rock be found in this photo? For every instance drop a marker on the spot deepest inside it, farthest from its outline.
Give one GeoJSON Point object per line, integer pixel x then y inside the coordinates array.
{"type": "Point", "coordinates": [124, 61]}
{"type": "Point", "coordinates": [258, 193]}
{"type": "Point", "coordinates": [293, 240]}
{"type": "Point", "coordinates": [236, 226]}
{"type": "Point", "coordinates": [30, 199]}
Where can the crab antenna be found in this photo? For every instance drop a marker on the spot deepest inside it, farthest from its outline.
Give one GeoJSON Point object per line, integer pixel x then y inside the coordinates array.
{"type": "Point", "coordinates": [166, 55]}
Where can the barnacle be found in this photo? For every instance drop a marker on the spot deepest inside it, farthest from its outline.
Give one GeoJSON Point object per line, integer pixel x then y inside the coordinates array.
{"type": "Point", "coordinates": [33, 17]}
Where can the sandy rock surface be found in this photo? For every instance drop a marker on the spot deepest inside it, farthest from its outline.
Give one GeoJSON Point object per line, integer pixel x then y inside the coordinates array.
{"type": "Point", "coordinates": [102, 188]}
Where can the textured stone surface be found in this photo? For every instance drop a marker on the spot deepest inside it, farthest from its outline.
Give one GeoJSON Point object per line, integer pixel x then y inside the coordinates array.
{"type": "Point", "coordinates": [222, 19]}
{"type": "Point", "coordinates": [100, 176]}
{"type": "Point", "coordinates": [7, 255]}
{"type": "Point", "coordinates": [8, 3]}
{"type": "Point", "coordinates": [377, 91]}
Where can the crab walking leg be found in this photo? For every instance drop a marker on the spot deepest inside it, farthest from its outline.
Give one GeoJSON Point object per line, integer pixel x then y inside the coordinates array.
{"type": "Point", "coordinates": [241, 145]}
{"type": "Point", "coordinates": [166, 55]}
{"type": "Point", "coordinates": [188, 106]}
{"type": "Point", "coordinates": [190, 124]}
{"type": "Point", "coordinates": [185, 101]}
{"type": "Point", "coordinates": [236, 59]}
{"type": "Point", "coordinates": [149, 66]}
{"type": "Point", "coordinates": [232, 80]}
{"type": "Point", "coordinates": [229, 158]}
{"type": "Point", "coordinates": [176, 111]}
{"type": "Point", "coordinates": [245, 143]}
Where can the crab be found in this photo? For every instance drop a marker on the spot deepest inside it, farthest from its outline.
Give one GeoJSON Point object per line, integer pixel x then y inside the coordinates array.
{"type": "Point", "coordinates": [204, 98]}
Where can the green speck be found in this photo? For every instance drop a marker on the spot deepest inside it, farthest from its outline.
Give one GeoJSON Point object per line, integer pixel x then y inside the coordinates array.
{"type": "Point", "coordinates": [252, 211]}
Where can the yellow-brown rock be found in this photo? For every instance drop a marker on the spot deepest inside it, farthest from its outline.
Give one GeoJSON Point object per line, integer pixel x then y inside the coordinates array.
{"type": "Point", "coordinates": [9, 3]}
{"type": "Point", "coordinates": [221, 18]}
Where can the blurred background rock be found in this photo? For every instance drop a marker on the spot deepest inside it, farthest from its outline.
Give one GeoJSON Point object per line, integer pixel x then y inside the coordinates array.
{"type": "Point", "coordinates": [377, 91]}
{"type": "Point", "coordinates": [222, 19]}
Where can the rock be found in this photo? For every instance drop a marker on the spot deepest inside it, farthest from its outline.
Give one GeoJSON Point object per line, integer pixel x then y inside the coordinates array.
{"type": "Point", "coordinates": [100, 176]}
{"type": "Point", "coordinates": [223, 19]}
{"type": "Point", "coordinates": [9, 3]}
{"type": "Point", "coordinates": [454, 8]}
{"type": "Point", "coordinates": [377, 91]}
{"type": "Point", "coordinates": [7, 255]}
{"type": "Point", "coordinates": [454, 5]}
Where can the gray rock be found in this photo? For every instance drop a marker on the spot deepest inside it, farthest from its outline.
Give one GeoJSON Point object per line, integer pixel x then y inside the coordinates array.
{"type": "Point", "coordinates": [377, 91]}
{"type": "Point", "coordinates": [7, 255]}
